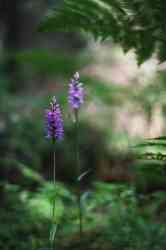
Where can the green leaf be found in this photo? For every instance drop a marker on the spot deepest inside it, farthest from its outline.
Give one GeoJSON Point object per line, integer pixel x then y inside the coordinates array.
{"type": "Point", "coordinates": [152, 149]}
{"type": "Point", "coordinates": [136, 24]}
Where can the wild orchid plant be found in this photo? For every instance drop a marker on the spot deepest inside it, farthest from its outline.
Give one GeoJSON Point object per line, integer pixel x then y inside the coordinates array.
{"type": "Point", "coordinates": [55, 132]}
{"type": "Point", "coordinates": [76, 99]}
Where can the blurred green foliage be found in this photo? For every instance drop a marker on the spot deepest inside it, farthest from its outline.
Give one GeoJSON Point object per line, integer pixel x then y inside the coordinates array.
{"type": "Point", "coordinates": [109, 208]}
{"type": "Point", "coordinates": [129, 230]}
{"type": "Point", "coordinates": [47, 62]}
{"type": "Point", "coordinates": [133, 24]}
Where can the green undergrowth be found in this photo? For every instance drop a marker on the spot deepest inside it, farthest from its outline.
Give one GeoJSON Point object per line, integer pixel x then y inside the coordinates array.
{"type": "Point", "coordinates": [112, 218]}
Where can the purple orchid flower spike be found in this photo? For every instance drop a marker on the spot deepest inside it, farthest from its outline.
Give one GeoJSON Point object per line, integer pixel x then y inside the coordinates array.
{"type": "Point", "coordinates": [54, 122]}
{"type": "Point", "coordinates": [76, 92]}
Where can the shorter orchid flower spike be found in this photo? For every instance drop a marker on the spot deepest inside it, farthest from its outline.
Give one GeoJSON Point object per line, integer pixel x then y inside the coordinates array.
{"type": "Point", "coordinates": [76, 92]}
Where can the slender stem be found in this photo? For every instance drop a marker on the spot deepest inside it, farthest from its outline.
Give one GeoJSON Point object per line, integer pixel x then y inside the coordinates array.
{"type": "Point", "coordinates": [53, 200]}
{"type": "Point", "coordinates": [79, 172]}
{"type": "Point", "coordinates": [80, 213]}
{"type": "Point", "coordinates": [54, 182]}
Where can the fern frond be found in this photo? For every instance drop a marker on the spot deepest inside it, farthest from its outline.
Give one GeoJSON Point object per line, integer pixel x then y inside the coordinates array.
{"type": "Point", "coordinates": [136, 24]}
{"type": "Point", "coordinates": [152, 149]}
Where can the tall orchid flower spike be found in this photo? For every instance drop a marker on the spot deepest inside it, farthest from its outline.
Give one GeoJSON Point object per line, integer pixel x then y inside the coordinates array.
{"type": "Point", "coordinates": [76, 92]}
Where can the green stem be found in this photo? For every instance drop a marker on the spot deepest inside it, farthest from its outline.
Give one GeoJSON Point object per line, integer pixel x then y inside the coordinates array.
{"type": "Point", "coordinates": [79, 172]}
{"type": "Point", "coordinates": [80, 214]}
{"type": "Point", "coordinates": [54, 183]}
{"type": "Point", "coordinates": [53, 201]}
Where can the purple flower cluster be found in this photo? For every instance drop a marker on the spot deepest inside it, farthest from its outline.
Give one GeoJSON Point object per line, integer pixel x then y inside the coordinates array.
{"type": "Point", "coordinates": [54, 123]}
{"type": "Point", "coordinates": [76, 92]}
{"type": "Point", "coordinates": [53, 117]}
